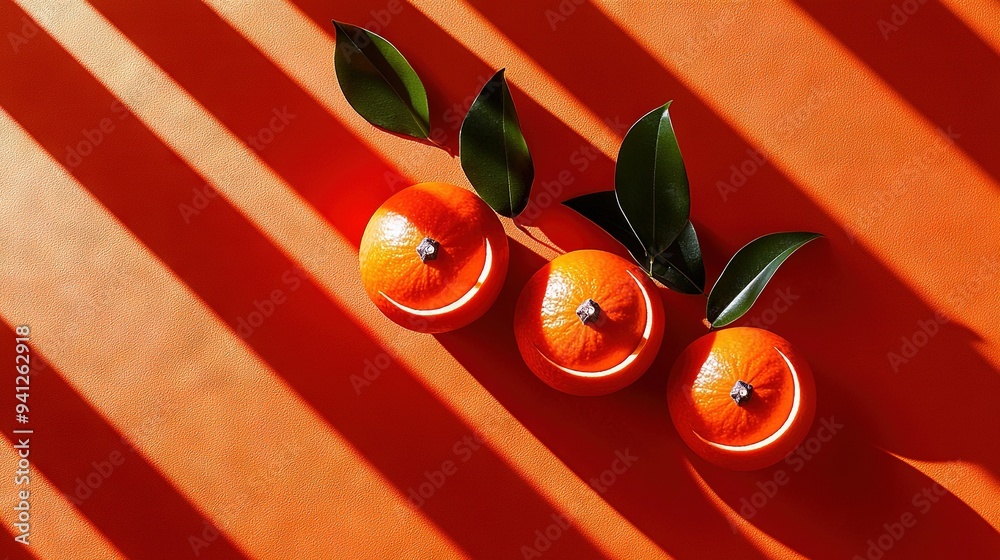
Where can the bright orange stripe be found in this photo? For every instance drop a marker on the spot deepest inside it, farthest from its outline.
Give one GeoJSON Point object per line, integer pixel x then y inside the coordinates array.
{"type": "Point", "coordinates": [183, 400]}
{"type": "Point", "coordinates": [267, 201]}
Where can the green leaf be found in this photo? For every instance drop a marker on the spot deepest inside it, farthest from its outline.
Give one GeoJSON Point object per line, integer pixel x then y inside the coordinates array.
{"type": "Point", "coordinates": [748, 272]}
{"type": "Point", "coordinates": [651, 182]}
{"type": "Point", "coordinates": [602, 209]}
{"type": "Point", "coordinates": [493, 152]}
{"type": "Point", "coordinates": [679, 267]}
{"type": "Point", "coordinates": [379, 83]}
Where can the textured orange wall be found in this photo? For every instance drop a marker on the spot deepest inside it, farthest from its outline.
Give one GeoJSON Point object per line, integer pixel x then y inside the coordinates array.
{"type": "Point", "coordinates": [228, 171]}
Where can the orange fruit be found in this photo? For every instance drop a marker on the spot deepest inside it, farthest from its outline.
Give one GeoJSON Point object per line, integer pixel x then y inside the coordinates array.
{"type": "Point", "coordinates": [433, 257]}
{"type": "Point", "coordinates": [741, 398]}
{"type": "Point", "coordinates": [589, 323]}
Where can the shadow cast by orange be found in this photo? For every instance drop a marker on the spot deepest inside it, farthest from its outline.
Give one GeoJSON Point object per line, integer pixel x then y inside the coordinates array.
{"type": "Point", "coordinates": [853, 310]}
{"type": "Point", "coordinates": [854, 313]}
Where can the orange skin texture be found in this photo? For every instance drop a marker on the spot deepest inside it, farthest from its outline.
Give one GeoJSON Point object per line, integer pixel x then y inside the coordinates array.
{"type": "Point", "coordinates": [546, 324]}
{"type": "Point", "coordinates": [461, 222]}
{"type": "Point", "coordinates": [699, 401]}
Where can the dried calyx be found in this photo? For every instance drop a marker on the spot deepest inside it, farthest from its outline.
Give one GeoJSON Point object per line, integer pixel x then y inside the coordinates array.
{"type": "Point", "coordinates": [741, 392]}
{"type": "Point", "coordinates": [428, 249]}
{"type": "Point", "coordinates": [588, 311]}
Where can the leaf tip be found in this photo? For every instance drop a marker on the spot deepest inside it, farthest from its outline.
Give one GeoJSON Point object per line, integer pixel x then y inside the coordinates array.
{"type": "Point", "coordinates": [493, 152]}
{"type": "Point", "coordinates": [749, 271]}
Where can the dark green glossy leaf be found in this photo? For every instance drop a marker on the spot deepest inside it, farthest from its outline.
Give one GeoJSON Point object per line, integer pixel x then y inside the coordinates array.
{"type": "Point", "coordinates": [493, 152]}
{"type": "Point", "coordinates": [679, 267]}
{"type": "Point", "coordinates": [379, 83]}
{"type": "Point", "coordinates": [651, 182]}
{"type": "Point", "coordinates": [602, 209]}
{"type": "Point", "coordinates": [748, 272]}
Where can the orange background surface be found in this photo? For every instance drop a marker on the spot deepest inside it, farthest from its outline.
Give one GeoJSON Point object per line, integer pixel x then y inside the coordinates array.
{"type": "Point", "coordinates": [201, 437]}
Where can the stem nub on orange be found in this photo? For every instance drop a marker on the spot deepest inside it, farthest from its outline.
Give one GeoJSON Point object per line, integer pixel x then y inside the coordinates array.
{"type": "Point", "coordinates": [741, 398]}
{"type": "Point", "coordinates": [589, 323]}
{"type": "Point", "coordinates": [433, 257]}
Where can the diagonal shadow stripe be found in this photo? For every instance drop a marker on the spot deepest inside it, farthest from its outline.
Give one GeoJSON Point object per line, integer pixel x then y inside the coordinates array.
{"type": "Point", "coordinates": [932, 59]}
{"type": "Point", "coordinates": [874, 293]}
{"type": "Point", "coordinates": [100, 472]}
{"type": "Point", "coordinates": [316, 155]}
{"type": "Point", "coordinates": [11, 550]}
{"type": "Point", "coordinates": [399, 426]}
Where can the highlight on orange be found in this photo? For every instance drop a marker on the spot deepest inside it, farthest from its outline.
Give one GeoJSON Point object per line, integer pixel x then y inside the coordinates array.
{"type": "Point", "coordinates": [433, 257]}
{"type": "Point", "coordinates": [175, 207]}
{"type": "Point", "coordinates": [589, 323]}
{"type": "Point", "coordinates": [741, 398]}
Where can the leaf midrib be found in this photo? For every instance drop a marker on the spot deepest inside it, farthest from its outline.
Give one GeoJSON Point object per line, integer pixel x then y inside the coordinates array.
{"type": "Point", "coordinates": [656, 153]}
{"type": "Point", "coordinates": [503, 129]}
{"type": "Point", "coordinates": [780, 256]}
{"type": "Point", "coordinates": [420, 125]}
